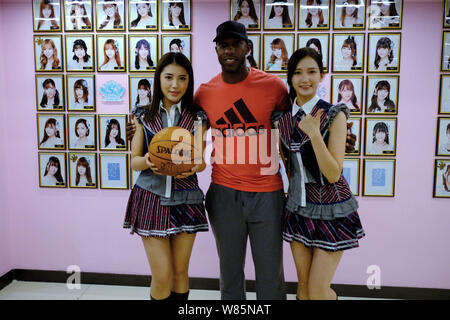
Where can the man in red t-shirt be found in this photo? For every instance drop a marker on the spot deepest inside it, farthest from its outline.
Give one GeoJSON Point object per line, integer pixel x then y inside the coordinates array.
{"type": "Point", "coordinates": [245, 198]}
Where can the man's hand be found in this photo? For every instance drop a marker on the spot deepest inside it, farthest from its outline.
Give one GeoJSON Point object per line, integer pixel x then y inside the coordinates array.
{"type": "Point", "coordinates": [351, 139]}
{"type": "Point", "coordinates": [130, 128]}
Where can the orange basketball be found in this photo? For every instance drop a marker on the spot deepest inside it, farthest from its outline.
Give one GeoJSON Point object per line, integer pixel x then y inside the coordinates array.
{"type": "Point", "coordinates": [172, 150]}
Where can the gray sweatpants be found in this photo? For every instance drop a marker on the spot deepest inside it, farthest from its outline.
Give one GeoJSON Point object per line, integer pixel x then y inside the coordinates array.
{"type": "Point", "coordinates": [236, 215]}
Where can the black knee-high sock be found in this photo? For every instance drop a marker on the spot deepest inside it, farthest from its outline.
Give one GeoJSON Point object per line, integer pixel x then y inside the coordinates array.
{"type": "Point", "coordinates": [180, 296]}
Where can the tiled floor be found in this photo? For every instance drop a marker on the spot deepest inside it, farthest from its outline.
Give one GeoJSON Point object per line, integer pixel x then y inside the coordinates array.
{"type": "Point", "coordinates": [22, 290]}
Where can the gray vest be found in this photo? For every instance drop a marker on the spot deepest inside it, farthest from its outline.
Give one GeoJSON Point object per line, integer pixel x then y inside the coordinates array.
{"type": "Point", "coordinates": [156, 183]}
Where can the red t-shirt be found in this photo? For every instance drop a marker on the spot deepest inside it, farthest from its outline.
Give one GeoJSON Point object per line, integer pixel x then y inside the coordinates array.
{"type": "Point", "coordinates": [240, 118]}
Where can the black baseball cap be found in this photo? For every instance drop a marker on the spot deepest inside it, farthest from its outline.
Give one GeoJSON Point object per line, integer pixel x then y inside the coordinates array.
{"type": "Point", "coordinates": [231, 29]}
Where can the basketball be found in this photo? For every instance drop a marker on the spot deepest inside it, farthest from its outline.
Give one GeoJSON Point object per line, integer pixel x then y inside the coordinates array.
{"type": "Point", "coordinates": [172, 150]}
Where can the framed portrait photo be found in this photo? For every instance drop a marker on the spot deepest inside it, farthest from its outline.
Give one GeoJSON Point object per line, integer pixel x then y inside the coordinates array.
{"type": "Point", "coordinates": [349, 14]}
{"type": "Point", "coordinates": [246, 12]}
{"type": "Point", "coordinates": [384, 52]}
{"type": "Point", "coordinates": [314, 15]}
{"type": "Point", "coordinates": [350, 171]}
{"type": "Point", "coordinates": [382, 94]}
{"type": "Point", "coordinates": [348, 52]}
{"type": "Point", "coordinates": [443, 137]}
{"type": "Point", "coordinates": [80, 53]}
{"type": "Point", "coordinates": [317, 41]}
{"type": "Point", "coordinates": [48, 53]}
{"type": "Point", "coordinates": [110, 15]}
{"type": "Point", "coordinates": [441, 183]}
{"type": "Point", "coordinates": [446, 14]}
{"type": "Point", "coordinates": [114, 170]}
{"type": "Point", "coordinates": [380, 137]}
{"type": "Point", "coordinates": [83, 170]}
{"type": "Point", "coordinates": [445, 57]}
{"type": "Point", "coordinates": [50, 92]}
{"type": "Point", "coordinates": [444, 94]}
{"type": "Point", "coordinates": [111, 53]}
{"type": "Point", "coordinates": [379, 177]}
{"type": "Point", "coordinates": [143, 52]}
{"type": "Point", "coordinates": [385, 14]}
{"type": "Point", "coordinates": [82, 131]}
{"type": "Point", "coordinates": [80, 94]}
{"type": "Point", "coordinates": [176, 15]}
{"type": "Point", "coordinates": [78, 15]}
{"type": "Point", "coordinates": [112, 132]}
{"type": "Point", "coordinates": [254, 58]}
{"type": "Point", "coordinates": [46, 15]}
{"type": "Point", "coordinates": [140, 90]}
{"type": "Point", "coordinates": [142, 15]}
{"type": "Point", "coordinates": [176, 43]}
{"type": "Point", "coordinates": [277, 50]}
{"type": "Point", "coordinates": [51, 131]}
{"type": "Point", "coordinates": [279, 14]}
{"type": "Point", "coordinates": [348, 90]}
{"type": "Point", "coordinates": [52, 170]}
{"type": "Point", "coordinates": [356, 130]}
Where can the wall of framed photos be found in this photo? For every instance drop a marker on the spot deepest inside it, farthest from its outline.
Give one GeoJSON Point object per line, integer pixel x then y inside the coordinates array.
{"type": "Point", "coordinates": [441, 186]}
{"type": "Point", "coordinates": [80, 222]}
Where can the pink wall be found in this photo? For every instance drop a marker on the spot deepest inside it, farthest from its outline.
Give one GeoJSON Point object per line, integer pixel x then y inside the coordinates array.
{"type": "Point", "coordinates": [407, 236]}
{"type": "Point", "coordinates": [5, 262]}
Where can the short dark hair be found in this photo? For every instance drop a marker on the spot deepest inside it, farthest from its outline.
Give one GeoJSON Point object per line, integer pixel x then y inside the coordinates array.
{"type": "Point", "coordinates": [295, 58]}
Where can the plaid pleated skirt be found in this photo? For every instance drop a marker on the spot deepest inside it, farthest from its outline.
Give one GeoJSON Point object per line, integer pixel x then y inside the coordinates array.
{"type": "Point", "coordinates": [148, 218]}
{"type": "Point", "coordinates": [330, 235]}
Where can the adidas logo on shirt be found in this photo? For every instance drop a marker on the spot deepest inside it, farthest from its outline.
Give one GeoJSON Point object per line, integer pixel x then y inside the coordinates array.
{"type": "Point", "coordinates": [233, 124]}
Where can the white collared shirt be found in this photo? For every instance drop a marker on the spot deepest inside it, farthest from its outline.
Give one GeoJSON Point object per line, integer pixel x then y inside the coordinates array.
{"type": "Point", "coordinates": [170, 123]}
{"type": "Point", "coordinates": [304, 178]}
{"type": "Point", "coordinates": [307, 107]}
{"type": "Point", "coordinates": [171, 113]}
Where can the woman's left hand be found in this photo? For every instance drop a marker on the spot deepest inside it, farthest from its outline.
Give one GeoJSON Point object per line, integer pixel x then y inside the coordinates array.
{"type": "Point", "coordinates": [310, 125]}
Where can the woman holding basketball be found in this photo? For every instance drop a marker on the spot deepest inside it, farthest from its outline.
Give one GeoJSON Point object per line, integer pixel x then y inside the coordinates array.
{"type": "Point", "coordinates": [167, 211]}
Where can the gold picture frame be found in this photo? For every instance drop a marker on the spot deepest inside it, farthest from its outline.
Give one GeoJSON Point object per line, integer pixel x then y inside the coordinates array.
{"type": "Point", "coordinates": [113, 167]}
{"type": "Point", "coordinates": [378, 177]}
{"type": "Point", "coordinates": [89, 162]}
{"type": "Point", "coordinates": [48, 178]}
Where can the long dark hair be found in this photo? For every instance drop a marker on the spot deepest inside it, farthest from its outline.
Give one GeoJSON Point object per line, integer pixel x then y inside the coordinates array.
{"type": "Point", "coordinates": [285, 17]}
{"type": "Point", "coordinates": [113, 122]}
{"type": "Point", "coordinates": [252, 12]}
{"type": "Point", "coordinates": [43, 103]}
{"type": "Point", "coordinates": [135, 22]}
{"type": "Point", "coordinates": [55, 161]}
{"type": "Point", "coordinates": [295, 58]}
{"type": "Point", "coordinates": [181, 17]}
{"type": "Point", "coordinates": [146, 44]}
{"type": "Point", "coordinates": [187, 99]}
{"type": "Point", "coordinates": [385, 43]}
{"type": "Point", "coordinates": [383, 84]}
